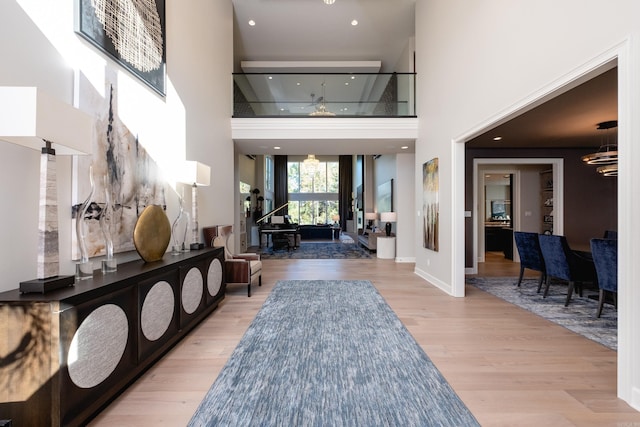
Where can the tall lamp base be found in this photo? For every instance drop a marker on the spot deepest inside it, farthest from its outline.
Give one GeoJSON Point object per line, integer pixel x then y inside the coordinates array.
{"type": "Point", "coordinates": [46, 285]}
{"type": "Point", "coordinates": [387, 229]}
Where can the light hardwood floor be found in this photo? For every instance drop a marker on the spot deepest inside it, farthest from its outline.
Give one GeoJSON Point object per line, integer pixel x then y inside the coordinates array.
{"type": "Point", "coordinates": [510, 367]}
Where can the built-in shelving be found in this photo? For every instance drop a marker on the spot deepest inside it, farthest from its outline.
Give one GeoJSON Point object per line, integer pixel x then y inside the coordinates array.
{"type": "Point", "coordinates": [546, 199]}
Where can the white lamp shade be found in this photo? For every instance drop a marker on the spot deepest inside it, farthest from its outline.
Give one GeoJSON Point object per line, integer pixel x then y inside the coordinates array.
{"type": "Point", "coordinates": [196, 173]}
{"type": "Point", "coordinates": [370, 216]}
{"type": "Point", "coordinates": [388, 217]}
{"type": "Point", "coordinates": [29, 115]}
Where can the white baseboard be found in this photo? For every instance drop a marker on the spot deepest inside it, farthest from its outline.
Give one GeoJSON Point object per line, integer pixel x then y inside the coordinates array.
{"type": "Point", "coordinates": [445, 287]}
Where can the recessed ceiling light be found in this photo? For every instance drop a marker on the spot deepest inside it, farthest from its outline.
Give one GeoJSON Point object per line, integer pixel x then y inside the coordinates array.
{"type": "Point", "coordinates": [497, 138]}
{"type": "Point", "coordinates": [404, 147]}
{"type": "Point", "coordinates": [270, 78]}
{"type": "Point", "coordinates": [354, 22]}
{"type": "Point", "coordinates": [252, 22]}
{"type": "Point", "coordinates": [353, 77]}
{"type": "Point", "coordinates": [346, 83]}
{"type": "Point", "coordinates": [276, 148]}
{"type": "Point", "coordinates": [298, 84]}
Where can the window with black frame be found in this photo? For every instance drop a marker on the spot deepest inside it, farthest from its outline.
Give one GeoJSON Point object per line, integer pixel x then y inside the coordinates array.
{"type": "Point", "coordinates": [313, 192]}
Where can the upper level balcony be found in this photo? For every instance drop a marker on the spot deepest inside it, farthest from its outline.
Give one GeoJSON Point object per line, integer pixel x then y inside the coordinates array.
{"type": "Point", "coordinates": [297, 95]}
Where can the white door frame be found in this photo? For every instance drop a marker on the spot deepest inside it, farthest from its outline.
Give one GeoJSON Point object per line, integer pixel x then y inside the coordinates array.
{"type": "Point", "coordinates": [510, 165]}
{"type": "Point", "coordinates": [625, 58]}
{"type": "Point", "coordinates": [479, 202]}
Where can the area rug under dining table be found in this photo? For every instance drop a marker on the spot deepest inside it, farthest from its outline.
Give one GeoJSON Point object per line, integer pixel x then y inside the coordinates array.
{"type": "Point", "coordinates": [329, 353]}
{"type": "Point", "coordinates": [579, 316]}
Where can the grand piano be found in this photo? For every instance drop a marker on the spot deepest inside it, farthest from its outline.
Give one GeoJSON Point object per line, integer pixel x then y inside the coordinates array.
{"type": "Point", "coordinates": [278, 229]}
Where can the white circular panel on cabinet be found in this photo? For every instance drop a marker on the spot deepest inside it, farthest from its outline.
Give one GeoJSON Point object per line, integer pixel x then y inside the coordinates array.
{"type": "Point", "coordinates": [98, 346]}
{"type": "Point", "coordinates": [192, 289]}
{"type": "Point", "coordinates": [214, 277]}
{"type": "Point", "coordinates": [157, 311]}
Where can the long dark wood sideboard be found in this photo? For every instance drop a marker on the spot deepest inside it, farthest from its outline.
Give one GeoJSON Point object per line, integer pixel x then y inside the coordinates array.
{"type": "Point", "coordinates": [66, 354]}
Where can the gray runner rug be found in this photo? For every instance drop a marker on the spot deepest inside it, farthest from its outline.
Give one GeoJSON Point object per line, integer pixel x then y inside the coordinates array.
{"type": "Point", "coordinates": [329, 353]}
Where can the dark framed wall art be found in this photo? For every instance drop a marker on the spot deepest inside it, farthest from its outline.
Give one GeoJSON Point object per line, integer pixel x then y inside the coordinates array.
{"type": "Point", "coordinates": [133, 33]}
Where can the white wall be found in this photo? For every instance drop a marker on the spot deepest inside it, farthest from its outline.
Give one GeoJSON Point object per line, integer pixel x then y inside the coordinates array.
{"type": "Point", "coordinates": [41, 49]}
{"type": "Point", "coordinates": [407, 235]}
{"type": "Point", "coordinates": [400, 168]}
{"type": "Point", "coordinates": [200, 65]}
{"type": "Point", "coordinates": [479, 62]}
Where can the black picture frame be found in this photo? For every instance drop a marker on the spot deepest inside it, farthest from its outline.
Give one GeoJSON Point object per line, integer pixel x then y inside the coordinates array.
{"type": "Point", "coordinates": [91, 29]}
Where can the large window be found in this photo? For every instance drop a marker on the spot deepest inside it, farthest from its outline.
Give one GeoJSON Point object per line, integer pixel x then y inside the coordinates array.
{"type": "Point", "coordinates": [268, 173]}
{"type": "Point", "coordinates": [313, 192]}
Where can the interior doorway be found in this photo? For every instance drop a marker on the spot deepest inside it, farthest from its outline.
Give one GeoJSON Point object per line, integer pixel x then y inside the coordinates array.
{"type": "Point", "coordinates": [526, 202]}
{"type": "Point", "coordinates": [498, 213]}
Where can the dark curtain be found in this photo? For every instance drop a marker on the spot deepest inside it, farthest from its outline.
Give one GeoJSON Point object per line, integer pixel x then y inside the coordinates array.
{"type": "Point", "coordinates": [280, 183]}
{"type": "Point", "coordinates": [345, 177]}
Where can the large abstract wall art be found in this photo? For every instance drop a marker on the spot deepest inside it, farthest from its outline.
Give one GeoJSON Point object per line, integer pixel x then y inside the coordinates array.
{"type": "Point", "coordinates": [430, 208]}
{"type": "Point", "coordinates": [120, 165]}
{"type": "Point", "coordinates": [132, 32]}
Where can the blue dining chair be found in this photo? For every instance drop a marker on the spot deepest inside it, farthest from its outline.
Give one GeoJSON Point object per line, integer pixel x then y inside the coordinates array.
{"type": "Point", "coordinates": [605, 259]}
{"type": "Point", "coordinates": [530, 255]}
{"type": "Point", "coordinates": [564, 264]}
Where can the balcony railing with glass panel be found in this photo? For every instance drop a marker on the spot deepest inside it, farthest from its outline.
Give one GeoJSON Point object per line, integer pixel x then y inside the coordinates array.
{"type": "Point", "coordinates": [324, 95]}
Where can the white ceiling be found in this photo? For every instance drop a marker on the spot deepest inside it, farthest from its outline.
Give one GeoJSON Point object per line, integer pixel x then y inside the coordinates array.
{"type": "Point", "coordinates": [309, 30]}
{"type": "Point", "coordinates": [325, 146]}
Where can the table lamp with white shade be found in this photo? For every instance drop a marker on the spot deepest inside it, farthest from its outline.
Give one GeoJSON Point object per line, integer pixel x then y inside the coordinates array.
{"type": "Point", "coordinates": [198, 175]}
{"type": "Point", "coordinates": [31, 118]}
{"type": "Point", "coordinates": [370, 217]}
{"type": "Point", "coordinates": [388, 217]}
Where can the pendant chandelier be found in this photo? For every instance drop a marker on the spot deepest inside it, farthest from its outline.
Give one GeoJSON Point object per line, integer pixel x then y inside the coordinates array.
{"type": "Point", "coordinates": [606, 158]}
{"type": "Point", "coordinates": [608, 170]}
{"type": "Point", "coordinates": [329, 1]}
{"type": "Point", "coordinates": [311, 163]}
{"type": "Point", "coordinates": [322, 109]}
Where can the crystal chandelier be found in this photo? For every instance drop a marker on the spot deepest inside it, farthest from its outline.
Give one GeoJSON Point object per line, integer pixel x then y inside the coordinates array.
{"type": "Point", "coordinates": [311, 163]}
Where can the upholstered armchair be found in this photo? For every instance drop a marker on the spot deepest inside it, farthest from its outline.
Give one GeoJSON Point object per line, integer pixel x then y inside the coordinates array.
{"type": "Point", "coordinates": [240, 269]}
{"type": "Point", "coordinates": [605, 258]}
{"type": "Point", "coordinates": [530, 255]}
{"type": "Point", "coordinates": [565, 264]}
